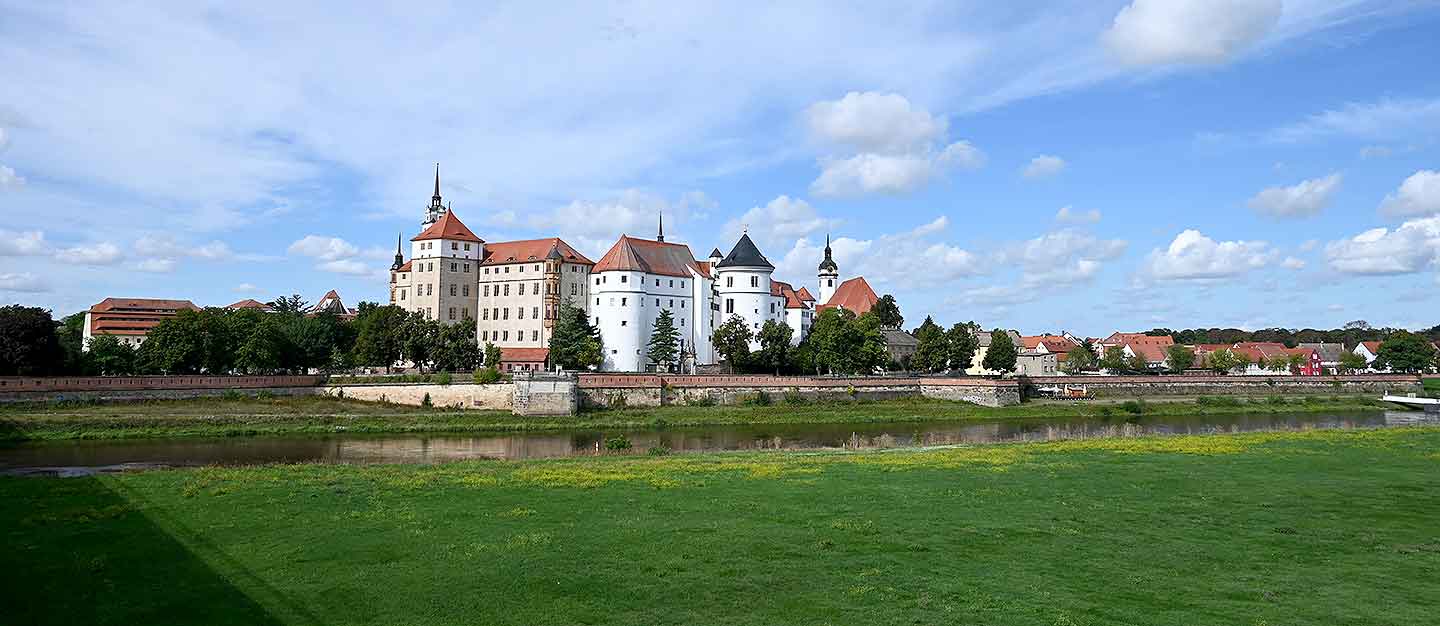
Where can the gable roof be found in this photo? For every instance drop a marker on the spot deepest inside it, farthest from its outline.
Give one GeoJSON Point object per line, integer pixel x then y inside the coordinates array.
{"type": "Point", "coordinates": [1329, 352]}
{"type": "Point", "coordinates": [652, 257]}
{"type": "Point", "coordinates": [524, 355]}
{"type": "Point", "coordinates": [792, 298]}
{"type": "Point", "coordinates": [448, 227]}
{"type": "Point", "coordinates": [804, 294]}
{"type": "Point", "coordinates": [142, 305]}
{"type": "Point", "coordinates": [854, 295]}
{"type": "Point", "coordinates": [1134, 339]}
{"type": "Point", "coordinates": [1372, 346]}
{"type": "Point", "coordinates": [133, 316]}
{"type": "Point", "coordinates": [982, 338]}
{"type": "Point", "coordinates": [528, 250]}
{"type": "Point", "coordinates": [251, 303]}
{"type": "Point", "coordinates": [745, 254]}
{"type": "Point", "coordinates": [1057, 344]}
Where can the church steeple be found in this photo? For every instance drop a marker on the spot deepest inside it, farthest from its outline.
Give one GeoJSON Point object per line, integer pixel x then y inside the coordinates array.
{"type": "Point", "coordinates": [399, 256]}
{"type": "Point", "coordinates": [829, 274]}
{"type": "Point", "coordinates": [436, 208]}
{"type": "Point", "coordinates": [661, 235]}
{"type": "Point", "coordinates": [435, 199]}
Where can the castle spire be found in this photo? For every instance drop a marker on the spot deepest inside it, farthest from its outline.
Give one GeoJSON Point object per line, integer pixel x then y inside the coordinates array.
{"type": "Point", "coordinates": [661, 235]}
{"type": "Point", "coordinates": [828, 266]}
{"type": "Point", "coordinates": [435, 199]}
{"type": "Point", "coordinates": [399, 256]}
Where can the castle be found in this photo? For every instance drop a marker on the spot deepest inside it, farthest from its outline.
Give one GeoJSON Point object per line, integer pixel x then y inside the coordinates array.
{"type": "Point", "coordinates": [514, 290]}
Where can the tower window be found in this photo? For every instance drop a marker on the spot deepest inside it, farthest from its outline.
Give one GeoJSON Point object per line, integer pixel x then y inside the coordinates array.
{"type": "Point", "coordinates": [754, 281]}
{"type": "Point", "coordinates": [729, 281]}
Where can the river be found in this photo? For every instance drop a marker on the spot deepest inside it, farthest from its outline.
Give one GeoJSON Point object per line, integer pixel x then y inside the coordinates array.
{"type": "Point", "coordinates": [71, 458]}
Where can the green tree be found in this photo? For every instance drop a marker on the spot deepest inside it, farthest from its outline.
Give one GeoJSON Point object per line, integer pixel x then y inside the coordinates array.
{"type": "Point", "coordinates": [492, 355]}
{"type": "Point", "coordinates": [575, 344]}
{"type": "Point", "coordinates": [1405, 351]}
{"type": "Point", "coordinates": [1351, 363]}
{"type": "Point", "coordinates": [888, 312]}
{"type": "Point", "coordinates": [111, 357]}
{"type": "Point", "coordinates": [1297, 361]}
{"type": "Point", "coordinates": [71, 334]}
{"type": "Point", "coordinates": [1137, 364]}
{"type": "Point", "coordinates": [1181, 358]}
{"type": "Point", "coordinates": [1115, 360]}
{"type": "Point", "coordinates": [28, 344]}
{"type": "Point", "coordinates": [732, 340]}
{"type": "Point", "coordinates": [663, 350]}
{"type": "Point", "coordinates": [378, 338]}
{"type": "Point", "coordinates": [1002, 353]}
{"type": "Point", "coordinates": [774, 340]}
{"type": "Point", "coordinates": [456, 349]}
{"type": "Point", "coordinates": [932, 347]}
{"type": "Point", "coordinates": [191, 342]}
{"type": "Point", "coordinates": [825, 339]}
{"type": "Point", "coordinates": [417, 339]}
{"type": "Point", "coordinates": [1221, 361]}
{"type": "Point", "coordinates": [1278, 363]}
{"type": "Point", "coordinates": [293, 305]}
{"type": "Point", "coordinates": [264, 350]}
{"type": "Point", "coordinates": [961, 345]}
{"type": "Point", "coordinates": [866, 345]}
{"type": "Point", "coordinates": [1079, 359]}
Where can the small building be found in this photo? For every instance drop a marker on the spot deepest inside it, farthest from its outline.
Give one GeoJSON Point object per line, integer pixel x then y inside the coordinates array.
{"type": "Point", "coordinates": [1329, 353]}
{"type": "Point", "coordinates": [523, 359]}
{"type": "Point", "coordinates": [1037, 363]}
{"type": "Point", "coordinates": [900, 344]}
{"type": "Point", "coordinates": [1368, 349]}
{"type": "Point", "coordinates": [982, 341]}
{"type": "Point", "coordinates": [332, 304]}
{"type": "Point", "coordinates": [129, 319]}
{"type": "Point", "coordinates": [251, 304]}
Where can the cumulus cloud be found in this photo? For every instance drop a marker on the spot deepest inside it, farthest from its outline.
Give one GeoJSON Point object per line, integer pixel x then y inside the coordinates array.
{"type": "Point", "coordinates": [246, 288]}
{"type": "Point", "coordinates": [890, 146]}
{"type": "Point", "coordinates": [1193, 256]}
{"type": "Point", "coordinates": [1419, 195]}
{"type": "Point", "coordinates": [924, 261]}
{"type": "Point", "coordinates": [635, 212]}
{"type": "Point", "coordinates": [1155, 32]}
{"type": "Point", "coordinates": [156, 266]}
{"type": "Point", "coordinates": [167, 246]}
{"type": "Point", "coordinates": [9, 179]}
{"type": "Point", "coordinates": [103, 253]}
{"type": "Point", "coordinates": [1303, 199]}
{"type": "Point", "coordinates": [27, 243]}
{"type": "Point", "coordinates": [1062, 257]}
{"type": "Point", "coordinates": [346, 266]}
{"type": "Point", "coordinates": [1410, 248]}
{"type": "Point", "coordinates": [782, 220]}
{"type": "Point", "coordinates": [1292, 263]}
{"type": "Point", "coordinates": [4, 139]}
{"type": "Point", "coordinates": [22, 282]}
{"type": "Point", "coordinates": [323, 248]}
{"type": "Point", "coordinates": [1044, 166]}
{"type": "Point", "coordinates": [1068, 215]}
{"type": "Point", "coordinates": [874, 122]}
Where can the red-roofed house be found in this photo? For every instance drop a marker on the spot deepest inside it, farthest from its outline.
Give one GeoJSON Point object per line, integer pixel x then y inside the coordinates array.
{"type": "Point", "coordinates": [1155, 349]}
{"type": "Point", "coordinates": [854, 295]}
{"type": "Point", "coordinates": [523, 359]}
{"type": "Point", "coordinates": [251, 303]}
{"type": "Point", "coordinates": [637, 279]}
{"type": "Point", "coordinates": [521, 288]}
{"type": "Point", "coordinates": [129, 319]}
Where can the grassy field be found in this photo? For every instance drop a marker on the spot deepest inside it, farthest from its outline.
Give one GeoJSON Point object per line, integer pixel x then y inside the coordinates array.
{"type": "Point", "coordinates": [250, 416]}
{"type": "Point", "coordinates": [1322, 527]}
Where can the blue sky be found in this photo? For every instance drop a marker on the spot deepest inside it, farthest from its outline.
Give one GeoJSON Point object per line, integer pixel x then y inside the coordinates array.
{"type": "Point", "coordinates": [1082, 166]}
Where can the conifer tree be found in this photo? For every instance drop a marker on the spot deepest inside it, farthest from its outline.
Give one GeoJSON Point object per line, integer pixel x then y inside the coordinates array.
{"type": "Point", "coordinates": [664, 347]}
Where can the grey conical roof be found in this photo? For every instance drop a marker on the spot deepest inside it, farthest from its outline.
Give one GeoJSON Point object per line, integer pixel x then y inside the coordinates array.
{"type": "Point", "coordinates": [828, 264]}
{"type": "Point", "coordinates": [716, 252]}
{"type": "Point", "coordinates": [745, 254]}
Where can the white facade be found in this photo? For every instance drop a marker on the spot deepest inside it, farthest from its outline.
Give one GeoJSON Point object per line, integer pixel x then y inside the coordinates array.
{"type": "Point", "coordinates": [625, 304]}
{"type": "Point", "coordinates": [745, 291]}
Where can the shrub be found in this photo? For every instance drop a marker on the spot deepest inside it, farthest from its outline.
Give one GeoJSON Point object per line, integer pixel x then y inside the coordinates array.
{"type": "Point", "coordinates": [850, 391]}
{"type": "Point", "coordinates": [443, 378]}
{"type": "Point", "coordinates": [704, 400]}
{"type": "Point", "coordinates": [793, 397]}
{"type": "Point", "coordinates": [659, 450]}
{"type": "Point", "coordinates": [1277, 400]}
{"type": "Point", "coordinates": [660, 424]}
{"type": "Point", "coordinates": [617, 400]}
{"type": "Point", "coordinates": [231, 394]}
{"type": "Point", "coordinates": [426, 402]}
{"type": "Point", "coordinates": [759, 399]}
{"type": "Point", "coordinates": [487, 376]}
{"type": "Point", "coordinates": [1133, 407]}
{"type": "Point", "coordinates": [1218, 401]}
{"type": "Point", "coordinates": [1106, 410]}
{"type": "Point", "coordinates": [264, 394]}
{"type": "Point", "coordinates": [618, 443]}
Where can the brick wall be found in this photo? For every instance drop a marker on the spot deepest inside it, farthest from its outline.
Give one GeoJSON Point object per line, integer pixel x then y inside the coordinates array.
{"type": "Point", "coordinates": [136, 383]}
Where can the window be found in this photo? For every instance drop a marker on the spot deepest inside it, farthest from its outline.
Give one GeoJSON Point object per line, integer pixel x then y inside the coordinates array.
{"type": "Point", "coordinates": [729, 305]}
{"type": "Point", "coordinates": [537, 267]}
{"type": "Point", "coordinates": [465, 290]}
{"type": "Point", "coordinates": [535, 312]}
{"type": "Point", "coordinates": [672, 282]}
{"type": "Point", "coordinates": [622, 301]}
{"type": "Point", "coordinates": [506, 336]}
{"type": "Point", "coordinates": [535, 288]}
{"type": "Point", "coordinates": [487, 291]}
{"type": "Point", "coordinates": [487, 270]}
{"type": "Point", "coordinates": [657, 302]}
{"type": "Point", "coordinates": [729, 281]}
{"type": "Point", "coordinates": [484, 335]}
{"type": "Point", "coordinates": [754, 281]}
{"type": "Point", "coordinates": [830, 282]}
{"type": "Point", "coordinates": [521, 288]}
{"type": "Point", "coordinates": [454, 267]}
{"type": "Point", "coordinates": [534, 335]}
{"type": "Point", "coordinates": [597, 301]}
{"type": "Point", "coordinates": [682, 321]}
{"type": "Point", "coordinates": [452, 312]}
{"type": "Point", "coordinates": [622, 322]}
{"type": "Point", "coordinates": [772, 308]}
{"type": "Point", "coordinates": [496, 314]}
{"type": "Point", "coordinates": [402, 294]}
{"type": "Point", "coordinates": [574, 289]}
{"type": "Point", "coordinates": [507, 289]}
{"type": "Point", "coordinates": [430, 289]}
{"type": "Point", "coordinates": [597, 280]}
{"type": "Point", "coordinates": [682, 284]}
{"type": "Point", "coordinates": [485, 314]}
{"type": "Point", "coordinates": [522, 269]}
{"type": "Point", "coordinates": [466, 267]}
{"type": "Point", "coordinates": [507, 269]}
{"type": "Point", "coordinates": [452, 290]}
{"type": "Point", "coordinates": [682, 304]}
{"type": "Point", "coordinates": [519, 312]}
{"type": "Point", "coordinates": [454, 246]}
{"type": "Point", "coordinates": [624, 278]}
{"type": "Point", "coordinates": [467, 247]}
{"type": "Point", "coordinates": [672, 303]}
{"type": "Point", "coordinates": [506, 311]}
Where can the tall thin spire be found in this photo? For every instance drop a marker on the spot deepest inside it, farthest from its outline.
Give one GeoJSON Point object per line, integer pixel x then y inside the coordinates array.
{"type": "Point", "coordinates": [436, 198]}
{"type": "Point", "coordinates": [827, 266]}
{"type": "Point", "coordinates": [399, 256]}
{"type": "Point", "coordinates": [661, 235]}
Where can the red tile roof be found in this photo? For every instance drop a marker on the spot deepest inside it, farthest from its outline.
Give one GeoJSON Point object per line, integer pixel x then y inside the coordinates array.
{"type": "Point", "coordinates": [529, 250]}
{"type": "Point", "coordinates": [448, 227]}
{"type": "Point", "coordinates": [1372, 346]}
{"type": "Point", "coordinates": [1056, 344]}
{"type": "Point", "coordinates": [652, 257]}
{"type": "Point", "coordinates": [133, 316]}
{"type": "Point", "coordinates": [792, 298]}
{"type": "Point", "coordinates": [854, 295]}
{"type": "Point", "coordinates": [142, 304]}
{"type": "Point", "coordinates": [251, 303]}
{"type": "Point", "coordinates": [524, 355]}
{"type": "Point", "coordinates": [405, 267]}
{"type": "Point", "coordinates": [804, 294]}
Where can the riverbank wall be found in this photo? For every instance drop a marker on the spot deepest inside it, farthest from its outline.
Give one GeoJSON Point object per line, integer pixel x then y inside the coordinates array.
{"type": "Point", "coordinates": [641, 390]}
{"type": "Point", "coordinates": [1196, 386]}
{"type": "Point", "coordinates": [496, 396]}
{"type": "Point", "coordinates": [136, 388]}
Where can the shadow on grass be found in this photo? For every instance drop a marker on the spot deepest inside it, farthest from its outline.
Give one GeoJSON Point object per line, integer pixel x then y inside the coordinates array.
{"type": "Point", "coordinates": [77, 552]}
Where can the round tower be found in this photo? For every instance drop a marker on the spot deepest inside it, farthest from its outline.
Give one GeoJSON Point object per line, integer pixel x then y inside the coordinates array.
{"type": "Point", "coordinates": [829, 275]}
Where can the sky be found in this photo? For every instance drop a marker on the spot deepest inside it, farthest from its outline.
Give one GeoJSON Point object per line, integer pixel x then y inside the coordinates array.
{"type": "Point", "coordinates": [1088, 166]}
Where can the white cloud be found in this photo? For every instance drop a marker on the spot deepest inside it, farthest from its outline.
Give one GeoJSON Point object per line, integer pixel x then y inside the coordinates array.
{"type": "Point", "coordinates": [28, 243]}
{"type": "Point", "coordinates": [871, 173]}
{"type": "Point", "coordinates": [246, 288]}
{"type": "Point", "coordinates": [924, 262]}
{"type": "Point", "coordinates": [1303, 199]}
{"type": "Point", "coordinates": [874, 122]}
{"type": "Point", "coordinates": [1044, 166]}
{"type": "Point", "coordinates": [22, 282]}
{"type": "Point", "coordinates": [156, 266]}
{"type": "Point", "coordinates": [1388, 118]}
{"type": "Point", "coordinates": [103, 253]}
{"type": "Point", "coordinates": [1193, 256]}
{"type": "Point", "coordinates": [9, 179]}
{"type": "Point", "coordinates": [165, 246]}
{"type": "Point", "coordinates": [1153, 32]}
{"type": "Point", "coordinates": [1418, 195]}
{"type": "Point", "coordinates": [963, 155]}
{"type": "Point", "coordinates": [346, 266]}
{"type": "Point", "coordinates": [1068, 215]}
{"type": "Point", "coordinates": [592, 226]}
{"type": "Point", "coordinates": [1292, 263]}
{"type": "Point", "coordinates": [1309, 244]}
{"type": "Point", "coordinates": [323, 248]}
{"type": "Point", "coordinates": [782, 220]}
{"type": "Point", "coordinates": [4, 139]}
{"type": "Point", "coordinates": [1410, 248]}
{"type": "Point", "coordinates": [1375, 152]}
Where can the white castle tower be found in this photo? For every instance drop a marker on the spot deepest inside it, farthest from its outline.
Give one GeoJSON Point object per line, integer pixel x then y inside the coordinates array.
{"type": "Point", "coordinates": [829, 275]}
{"type": "Point", "coordinates": [742, 279]}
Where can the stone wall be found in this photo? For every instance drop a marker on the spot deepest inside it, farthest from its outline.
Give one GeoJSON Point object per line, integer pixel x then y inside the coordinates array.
{"type": "Point", "coordinates": [497, 396]}
{"type": "Point", "coordinates": [646, 390]}
{"type": "Point", "coordinates": [544, 395]}
{"type": "Point", "coordinates": [1139, 386]}
{"type": "Point", "coordinates": [984, 392]}
{"type": "Point", "coordinates": [136, 395]}
{"type": "Point", "coordinates": [131, 383]}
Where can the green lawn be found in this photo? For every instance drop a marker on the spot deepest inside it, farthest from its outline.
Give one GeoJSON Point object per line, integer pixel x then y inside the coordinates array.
{"type": "Point", "coordinates": [314, 415]}
{"type": "Point", "coordinates": [1324, 527]}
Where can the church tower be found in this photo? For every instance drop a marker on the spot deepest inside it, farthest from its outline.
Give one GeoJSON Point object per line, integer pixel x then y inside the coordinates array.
{"type": "Point", "coordinates": [829, 274]}
{"type": "Point", "coordinates": [436, 210]}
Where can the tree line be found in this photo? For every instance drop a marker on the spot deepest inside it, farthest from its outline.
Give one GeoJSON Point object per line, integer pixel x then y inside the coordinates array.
{"type": "Point", "coordinates": [1350, 334]}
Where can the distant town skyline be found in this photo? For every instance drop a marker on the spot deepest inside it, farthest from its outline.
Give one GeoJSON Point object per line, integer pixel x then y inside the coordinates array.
{"type": "Point", "coordinates": [1088, 167]}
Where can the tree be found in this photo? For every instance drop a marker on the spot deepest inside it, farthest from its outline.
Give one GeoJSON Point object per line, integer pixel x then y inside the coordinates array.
{"type": "Point", "coordinates": [417, 339]}
{"type": "Point", "coordinates": [1115, 360]}
{"type": "Point", "coordinates": [293, 305]}
{"type": "Point", "coordinates": [574, 343]}
{"type": "Point", "coordinates": [191, 342]}
{"type": "Point", "coordinates": [1137, 364]}
{"type": "Point", "coordinates": [825, 338]}
{"type": "Point", "coordinates": [1079, 359]}
{"type": "Point", "coordinates": [1351, 362]}
{"type": "Point", "coordinates": [265, 349]}
{"type": "Point", "coordinates": [378, 339]}
{"type": "Point", "coordinates": [492, 355]}
{"type": "Point", "coordinates": [1296, 361]}
{"type": "Point", "coordinates": [774, 340]}
{"type": "Point", "coordinates": [1278, 363]}
{"type": "Point", "coordinates": [864, 345]}
{"type": "Point", "coordinates": [1181, 357]}
{"type": "Point", "coordinates": [888, 312]}
{"type": "Point", "coordinates": [961, 345]}
{"type": "Point", "coordinates": [456, 349]}
{"type": "Point", "coordinates": [1405, 351]}
{"type": "Point", "coordinates": [28, 344]}
{"type": "Point", "coordinates": [1002, 354]}
{"type": "Point", "coordinates": [71, 334]}
{"type": "Point", "coordinates": [1223, 361]}
{"type": "Point", "coordinates": [111, 357]}
{"type": "Point", "coordinates": [663, 349]}
{"type": "Point", "coordinates": [732, 340]}
{"type": "Point", "coordinates": [932, 349]}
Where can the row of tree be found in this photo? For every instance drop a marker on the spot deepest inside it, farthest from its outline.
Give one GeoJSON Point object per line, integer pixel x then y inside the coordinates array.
{"type": "Point", "coordinates": [1350, 334]}
{"type": "Point", "coordinates": [1403, 351]}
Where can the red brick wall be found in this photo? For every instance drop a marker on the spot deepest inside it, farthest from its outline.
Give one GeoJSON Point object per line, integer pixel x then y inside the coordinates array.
{"type": "Point", "coordinates": [103, 383]}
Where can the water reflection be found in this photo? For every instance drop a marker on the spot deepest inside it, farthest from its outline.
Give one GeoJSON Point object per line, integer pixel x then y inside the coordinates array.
{"type": "Point", "coordinates": [83, 457]}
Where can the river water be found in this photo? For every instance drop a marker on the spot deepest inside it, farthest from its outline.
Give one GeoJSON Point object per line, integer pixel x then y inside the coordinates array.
{"type": "Point", "coordinates": [69, 458]}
